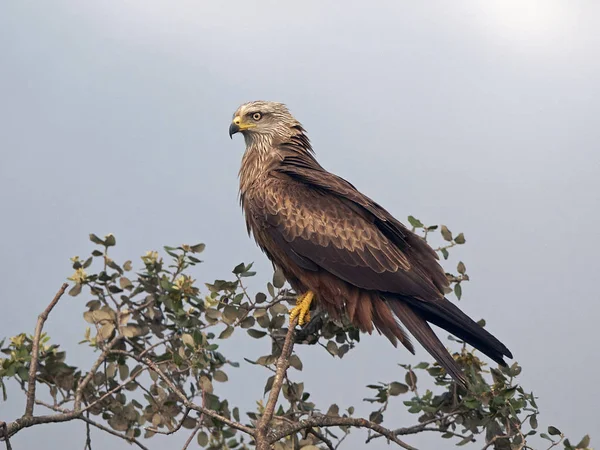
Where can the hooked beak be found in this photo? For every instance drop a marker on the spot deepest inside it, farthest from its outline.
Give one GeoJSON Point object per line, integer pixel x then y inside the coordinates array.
{"type": "Point", "coordinates": [238, 125]}
{"type": "Point", "coordinates": [233, 128]}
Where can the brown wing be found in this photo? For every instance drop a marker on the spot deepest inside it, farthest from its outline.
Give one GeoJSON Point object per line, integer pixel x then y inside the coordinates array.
{"type": "Point", "coordinates": [325, 219]}
{"type": "Point", "coordinates": [315, 227]}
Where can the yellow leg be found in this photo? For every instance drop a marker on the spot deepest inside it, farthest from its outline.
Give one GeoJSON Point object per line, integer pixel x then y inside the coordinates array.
{"type": "Point", "coordinates": [301, 310]}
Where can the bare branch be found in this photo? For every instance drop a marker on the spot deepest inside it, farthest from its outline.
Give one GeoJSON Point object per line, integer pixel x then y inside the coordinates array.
{"type": "Point", "coordinates": [322, 437]}
{"type": "Point", "coordinates": [93, 369]}
{"type": "Point", "coordinates": [194, 431]}
{"type": "Point", "coordinates": [262, 442]}
{"type": "Point", "coordinates": [320, 420]}
{"type": "Point", "coordinates": [35, 350]}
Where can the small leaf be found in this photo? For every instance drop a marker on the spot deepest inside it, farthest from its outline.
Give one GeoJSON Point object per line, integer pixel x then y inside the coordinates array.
{"type": "Point", "coordinates": [446, 233]}
{"type": "Point", "coordinates": [444, 253]}
{"type": "Point", "coordinates": [206, 384]}
{"type": "Point", "coordinates": [227, 332]}
{"type": "Point", "coordinates": [125, 283]}
{"type": "Point", "coordinates": [131, 331]}
{"type": "Point", "coordinates": [458, 290]}
{"type": "Point", "coordinates": [269, 384]}
{"type": "Point", "coordinates": [460, 239]}
{"type": "Point", "coordinates": [416, 223]}
{"type": "Point", "coordinates": [584, 443]}
{"type": "Point", "coordinates": [109, 240]}
{"type": "Point", "coordinates": [553, 431]}
{"type": "Point", "coordinates": [461, 268]}
{"type": "Point", "coordinates": [220, 376]}
{"type": "Point", "coordinates": [397, 388]}
{"type": "Point", "coordinates": [202, 439]}
{"type": "Point", "coordinates": [127, 266]}
{"type": "Point", "coordinates": [198, 248]}
{"type": "Point", "coordinates": [188, 339]}
{"type": "Point", "coordinates": [332, 348]}
{"type": "Point", "coordinates": [256, 334]}
{"type": "Point", "coordinates": [295, 362]}
{"type": "Point", "coordinates": [95, 239]}
{"type": "Point", "coordinates": [75, 290]}
{"type": "Point", "coordinates": [533, 423]}
{"type": "Point", "coordinates": [278, 279]}
{"type": "Point", "coordinates": [230, 314]}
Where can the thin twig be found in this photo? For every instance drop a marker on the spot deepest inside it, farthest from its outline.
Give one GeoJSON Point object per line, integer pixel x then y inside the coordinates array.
{"type": "Point", "coordinates": [93, 369]}
{"type": "Point", "coordinates": [88, 435]}
{"type": "Point", "coordinates": [186, 402]}
{"type": "Point", "coordinates": [93, 423]}
{"type": "Point", "coordinates": [4, 429]}
{"type": "Point", "coordinates": [33, 366]}
{"type": "Point", "coordinates": [322, 437]}
{"type": "Point", "coordinates": [189, 439]}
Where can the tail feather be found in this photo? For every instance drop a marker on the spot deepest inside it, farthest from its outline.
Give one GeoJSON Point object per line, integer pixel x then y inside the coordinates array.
{"type": "Point", "coordinates": [448, 316]}
{"type": "Point", "coordinates": [421, 330]}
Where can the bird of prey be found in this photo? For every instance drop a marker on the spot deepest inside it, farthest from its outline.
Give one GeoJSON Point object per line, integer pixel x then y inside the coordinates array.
{"type": "Point", "coordinates": [338, 247]}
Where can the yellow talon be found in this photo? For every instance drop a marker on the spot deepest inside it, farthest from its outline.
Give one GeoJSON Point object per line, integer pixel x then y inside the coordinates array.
{"type": "Point", "coordinates": [301, 310]}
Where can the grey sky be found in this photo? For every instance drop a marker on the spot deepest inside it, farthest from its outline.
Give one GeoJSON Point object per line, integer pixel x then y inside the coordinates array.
{"type": "Point", "coordinates": [481, 115]}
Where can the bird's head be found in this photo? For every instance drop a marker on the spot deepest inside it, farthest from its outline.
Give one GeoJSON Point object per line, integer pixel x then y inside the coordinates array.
{"type": "Point", "coordinates": [261, 119]}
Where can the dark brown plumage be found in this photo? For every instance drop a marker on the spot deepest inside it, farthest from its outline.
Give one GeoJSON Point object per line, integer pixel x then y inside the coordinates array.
{"type": "Point", "coordinates": [330, 239]}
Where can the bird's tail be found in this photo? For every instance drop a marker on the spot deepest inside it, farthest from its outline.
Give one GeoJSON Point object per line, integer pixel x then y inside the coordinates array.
{"type": "Point", "coordinates": [415, 315]}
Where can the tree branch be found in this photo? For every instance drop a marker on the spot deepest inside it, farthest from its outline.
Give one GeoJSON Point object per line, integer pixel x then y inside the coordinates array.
{"type": "Point", "coordinates": [35, 350]}
{"type": "Point", "coordinates": [188, 404]}
{"type": "Point", "coordinates": [262, 442]}
{"type": "Point", "coordinates": [320, 420]}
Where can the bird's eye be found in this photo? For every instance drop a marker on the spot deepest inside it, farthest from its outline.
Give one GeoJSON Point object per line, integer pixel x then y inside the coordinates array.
{"type": "Point", "coordinates": [257, 116]}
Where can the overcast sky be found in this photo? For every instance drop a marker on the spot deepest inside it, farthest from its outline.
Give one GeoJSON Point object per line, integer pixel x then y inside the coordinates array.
{"type": "Point", "coordinates": [480, 115]}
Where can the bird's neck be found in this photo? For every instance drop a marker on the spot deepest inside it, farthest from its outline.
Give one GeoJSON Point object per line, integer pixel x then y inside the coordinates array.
{"type": "Point", "coordinates": [261, 155]}
{"type": "Point", "coordinates": [265, 153]}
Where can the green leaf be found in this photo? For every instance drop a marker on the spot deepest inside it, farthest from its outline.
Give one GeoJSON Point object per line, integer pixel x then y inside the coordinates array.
{"type": "Point", "coordinates": [444, 253]}
{"type": "Point", "coordinates": [461, 268]}
{"type": "Point", "coordinates": [220, 376]}
{"type": "Point", "coordinates": [295, 362]}
{"type": "Point", "coordinates": [109, 240]}
{"type": "Point", "coordinates": [227, 332]}
{"type": "Point", "coordinates": [397, 388]}
{"type": "Point", "coordinates": [446, 233]}
{"type": "Point", "coordinates": [75, 290]}
{"type": "Point", "coordinates": [533, 423]}
{"type": "Point", "coordinates": [198, 248]}
{"type": "Point", "coordinates": [458, 290]}
{"type": "Point", "coordinates": [416, 223]}
{"type": "Point", "coordinates": [460, 239]}
{"type": "Point", "coordinates": [206, 384]}
{"type": "Point", "coordinates": [95, 239]}
{"type": "Point", "coordinates": [256, 334]}
{"type": "Point", "coordinates": [553, 431]}
{"type": "Point", "coordinates": [230, 314]}
{"type": "Point", "coordinates": [269, 384]}
{"type": "Point", "coordinates": [202, 439]}
{"type": "Point", "coordinates": [278, 279]}
{"type": "Point", "coordinates": [260, 297]}
{"type": "Point", "coordinates": [332, 348]}
{"type": "Point", "coordinates": [584, 443]}
{"type": "Point", "coordinates": [131, 331]}
{"type": "Point", "coordinates": [188, 339]}
{"type": "Point", "coordinates": [241, 267]}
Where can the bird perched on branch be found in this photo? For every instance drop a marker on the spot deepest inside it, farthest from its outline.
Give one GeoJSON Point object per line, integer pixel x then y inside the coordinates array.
{"type": "Point", "coordinates": [338, 247]}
